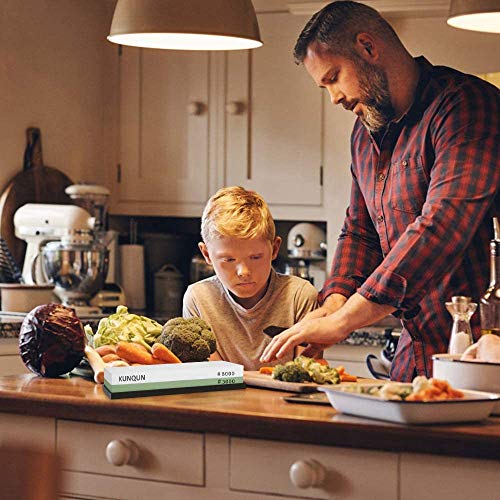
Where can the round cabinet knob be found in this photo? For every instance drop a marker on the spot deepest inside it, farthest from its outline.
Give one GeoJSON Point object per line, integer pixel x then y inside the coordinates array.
{"type": "Point", "coordinates": [121, 452]}
{"type": "Point", "coordinates": [235, 107]}
{"type": "Point", "coordinates": [307, 474]}
{"type": "Point", "coordinates": [196, 108]}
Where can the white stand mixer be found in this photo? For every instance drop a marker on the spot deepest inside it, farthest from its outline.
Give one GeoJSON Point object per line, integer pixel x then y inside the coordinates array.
{"type": "Point", "coordinates": [62, 249]}
{"type": "Point", "coordinates": [38, 223]}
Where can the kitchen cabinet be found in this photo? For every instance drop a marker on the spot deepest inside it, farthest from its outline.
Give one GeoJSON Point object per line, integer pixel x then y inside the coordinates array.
{"type": "Point", "coordinates": [274, 128]}
{"type": "Point", "coordinates": [163, 116]}
{"type": "Point", "coordinates": [192, 122]}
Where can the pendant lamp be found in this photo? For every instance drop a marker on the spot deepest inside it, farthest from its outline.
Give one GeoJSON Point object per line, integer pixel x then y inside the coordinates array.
{"type": "Point", "coordinates": [186, 24]}
{"type": "Point", "coordinates": [475, 15]}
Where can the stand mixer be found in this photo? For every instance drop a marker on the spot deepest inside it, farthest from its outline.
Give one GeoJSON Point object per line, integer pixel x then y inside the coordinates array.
{"type": "Point", "coordinates": [306, 245]}
{"type": "Point", "coordinates": [67, 246]}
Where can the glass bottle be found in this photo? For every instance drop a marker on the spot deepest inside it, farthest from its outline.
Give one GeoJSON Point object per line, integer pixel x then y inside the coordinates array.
{"type": "Point", "coordinates": [461, 308]}
{"type": "Point", "coordinates": [490, 301]}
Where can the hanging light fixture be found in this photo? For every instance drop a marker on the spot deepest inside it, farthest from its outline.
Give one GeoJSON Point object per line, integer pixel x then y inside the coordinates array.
{"type": "Point", "coordinates": [475, 15]}
{"type": "Point", "coordinates": [186, 24]}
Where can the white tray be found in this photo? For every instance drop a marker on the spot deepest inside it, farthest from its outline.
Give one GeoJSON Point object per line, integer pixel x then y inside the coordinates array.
{"type": "Point", "coordinates": [475, 406]}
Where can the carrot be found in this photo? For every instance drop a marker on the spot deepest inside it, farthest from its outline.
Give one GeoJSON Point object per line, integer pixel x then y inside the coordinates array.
{"type": "Point", "coordinates": [345, 377]}
{"type": "Point", "coordinates": [322, 361]}
{"type": "Point", "coordinates": [266, 370]}
{"type": "Point", "coordinates": [164, 354]}
{"type": "Point", "coordinates": [134, 353]}
{"type": "Point", "coordinates": [106, 349]}
{"type": "Point", "coordinates": [340, 369]}
{"type": "Point", "coordinates": [111, 357]}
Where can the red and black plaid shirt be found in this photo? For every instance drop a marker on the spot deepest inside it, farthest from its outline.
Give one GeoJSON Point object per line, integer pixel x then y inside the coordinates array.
{"type": "Point", "coordinates": [423, 196]}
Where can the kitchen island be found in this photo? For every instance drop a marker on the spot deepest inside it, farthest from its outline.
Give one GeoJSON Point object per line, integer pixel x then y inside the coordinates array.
{"type": "Point", "coordinates": [242, 444]}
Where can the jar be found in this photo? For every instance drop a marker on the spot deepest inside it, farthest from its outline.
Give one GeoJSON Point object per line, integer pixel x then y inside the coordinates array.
{"type": "Point", "coordinates": [168, 291]}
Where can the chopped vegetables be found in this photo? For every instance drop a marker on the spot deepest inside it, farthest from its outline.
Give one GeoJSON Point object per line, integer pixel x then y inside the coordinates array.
{"type": "Point", "coordinates": [304, 369]}
{"type": "Point", "coordinates": [421, 389]}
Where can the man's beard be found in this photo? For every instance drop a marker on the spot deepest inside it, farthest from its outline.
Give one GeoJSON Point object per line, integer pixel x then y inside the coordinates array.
{"type": "Point", "coordinates": [375, 96]}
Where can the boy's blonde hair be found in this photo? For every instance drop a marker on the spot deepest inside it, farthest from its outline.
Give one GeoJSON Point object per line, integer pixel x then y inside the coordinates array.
{"type": "Point", "coordinates": [237, 213]}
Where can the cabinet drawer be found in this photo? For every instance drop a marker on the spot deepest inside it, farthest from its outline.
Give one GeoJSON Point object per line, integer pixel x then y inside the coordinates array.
{"type": "Point", "coordinates": [265, 466]}
{"type": "Point", "coordinates": [458, 478]}
{"type": "Point", "coordinates": [157, 455]}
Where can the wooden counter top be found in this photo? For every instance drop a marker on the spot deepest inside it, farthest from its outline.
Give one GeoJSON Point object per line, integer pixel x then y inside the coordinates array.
{"type": "Point", "coordinates": [250, 412]}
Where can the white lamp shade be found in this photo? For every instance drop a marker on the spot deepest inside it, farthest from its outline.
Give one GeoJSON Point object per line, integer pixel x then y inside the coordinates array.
{"type": "Point", "coordinates": [186, 24]}
{"type": "Point", "coordinates": [475, 15]}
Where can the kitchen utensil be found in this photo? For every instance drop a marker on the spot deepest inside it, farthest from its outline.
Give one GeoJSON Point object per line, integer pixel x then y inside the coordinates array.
{"type": "Point", "coordinates": [256, 379]}
{"type": "Point", "coordinates": [200, 269]}
{"type": "Point", "coordinates": [461, 309]}
{"type": "Point", "coordinates": [77, 265]}
{"type": "Point", "coordinates": [317, 398]}
{"type": "Point", "coordinates": [473, 375]}
{"type": "Point", "coordinates": [377, 368]}
{"type": "Point", "coordinates": [10, 272]}
{"type": "Point", "coordinates": [169, 290]}
{"type": "Point", "coordinates": [474, 406]}
{"type": "Point", "coordinates": [272, 331]}
{"type": "Point", "coordinates": [36, 183]}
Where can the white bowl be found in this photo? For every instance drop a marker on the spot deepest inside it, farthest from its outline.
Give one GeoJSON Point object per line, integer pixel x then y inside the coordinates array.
{"type": "Point", "coordinates": [469, 375]}
{"type": "Point", "coordinates": [16, 297]}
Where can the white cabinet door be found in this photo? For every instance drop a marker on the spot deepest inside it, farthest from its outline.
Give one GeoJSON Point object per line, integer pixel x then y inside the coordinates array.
{"type": "Point", "coordinates": [274, 116]}
{"type": "Point", "coordinates": [163, 132]}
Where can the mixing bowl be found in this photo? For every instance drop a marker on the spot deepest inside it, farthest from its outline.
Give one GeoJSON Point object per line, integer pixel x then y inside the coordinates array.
{"type": "Point", "coordinates": [77, 269]}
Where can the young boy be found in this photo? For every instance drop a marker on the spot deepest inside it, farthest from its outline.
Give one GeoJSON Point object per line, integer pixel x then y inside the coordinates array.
{"type": "Point", "coordinates": [246, 295]}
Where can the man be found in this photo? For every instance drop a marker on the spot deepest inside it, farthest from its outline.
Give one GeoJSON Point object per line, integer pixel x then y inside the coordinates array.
{"type": "Point", "coordinates": [425, 180]}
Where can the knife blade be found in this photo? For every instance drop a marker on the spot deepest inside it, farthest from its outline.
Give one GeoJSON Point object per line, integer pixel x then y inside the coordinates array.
{"type": "Point", "coordinates": [273, 330]}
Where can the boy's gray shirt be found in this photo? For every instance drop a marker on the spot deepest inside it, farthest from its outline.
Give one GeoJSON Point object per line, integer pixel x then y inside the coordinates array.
{"type": "Point", "coordinates": [238, 330]}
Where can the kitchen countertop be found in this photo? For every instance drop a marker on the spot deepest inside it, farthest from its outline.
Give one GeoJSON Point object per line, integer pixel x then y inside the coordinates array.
{"type": "Point", "coordinates": [250, 412]}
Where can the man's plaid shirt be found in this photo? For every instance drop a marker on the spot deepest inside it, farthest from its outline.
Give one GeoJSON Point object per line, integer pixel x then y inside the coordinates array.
{"type": "Point", "coordinates": [423, 196]}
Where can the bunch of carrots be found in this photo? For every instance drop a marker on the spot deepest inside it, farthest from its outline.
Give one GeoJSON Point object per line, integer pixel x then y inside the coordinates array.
{"type": "Point", "coordinates": [132, 353]}
{"type": "Point", "coordinates": [126, 354]}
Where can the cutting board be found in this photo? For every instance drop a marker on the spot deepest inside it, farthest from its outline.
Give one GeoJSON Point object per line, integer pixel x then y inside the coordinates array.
{"type": "Point", "coordinates": [256, 379]}
{"type": "Point", "coordinates": [36, 183]}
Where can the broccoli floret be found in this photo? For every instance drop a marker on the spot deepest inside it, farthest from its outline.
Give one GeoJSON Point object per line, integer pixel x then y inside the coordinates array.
{"type": "Point", "coordinates": [304, 369]}
{"type": "Point", "coordinates": [291, 372]}
{"type": "Point", "coordinates": [190, 339]}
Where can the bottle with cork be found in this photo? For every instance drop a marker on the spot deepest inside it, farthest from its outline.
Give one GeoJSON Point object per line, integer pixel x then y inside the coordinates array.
{"type": "Point", "coordinates": [489, 307]}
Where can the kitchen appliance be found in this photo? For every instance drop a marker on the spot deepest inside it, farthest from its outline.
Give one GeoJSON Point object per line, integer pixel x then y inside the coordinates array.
{"type": "Point", "coordinates": [306, 246]}
{"type": "Point", "coordinates": [94, 199]}
{"type": "Point", "coordinates": [38, 224]}
{"type": "Point", "coordinates": [63, 250]}
{"type": "Point", "coordinates": [77, 265]}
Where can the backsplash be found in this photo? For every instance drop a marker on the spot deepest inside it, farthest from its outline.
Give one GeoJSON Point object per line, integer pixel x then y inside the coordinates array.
{"type": "Point", "coordinates": [174, 240]}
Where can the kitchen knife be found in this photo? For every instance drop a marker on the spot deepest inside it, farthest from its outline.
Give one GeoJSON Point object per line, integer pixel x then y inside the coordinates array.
{"type": "Point", "coordinates": [273, 330]}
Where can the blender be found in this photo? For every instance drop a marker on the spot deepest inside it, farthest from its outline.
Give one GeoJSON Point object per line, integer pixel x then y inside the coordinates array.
{"type": "Point", "coordinates": [94, 199]}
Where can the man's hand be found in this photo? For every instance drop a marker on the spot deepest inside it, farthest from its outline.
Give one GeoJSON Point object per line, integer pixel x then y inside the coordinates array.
{"type": "Point", "coordinates": [319, 333]}
{"type": "Point", "coordinates": [337, 319]}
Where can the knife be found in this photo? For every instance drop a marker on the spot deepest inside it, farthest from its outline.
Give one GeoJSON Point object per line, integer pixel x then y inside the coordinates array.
{"type": "Point", "coordinates": [273, 330]}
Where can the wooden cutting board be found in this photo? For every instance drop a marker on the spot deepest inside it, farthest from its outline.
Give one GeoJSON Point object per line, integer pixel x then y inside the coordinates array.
{"type": "Point", "coordinates": [256, 379]}
{"type": "Point", "coordinates": [36, 183]}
